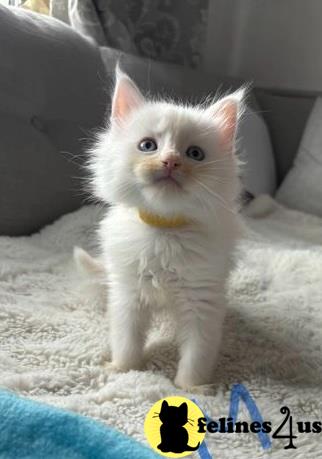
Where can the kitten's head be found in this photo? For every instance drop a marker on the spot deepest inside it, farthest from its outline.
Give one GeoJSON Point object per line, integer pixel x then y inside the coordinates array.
{"type": "Point", "coordinates": [166, 158]}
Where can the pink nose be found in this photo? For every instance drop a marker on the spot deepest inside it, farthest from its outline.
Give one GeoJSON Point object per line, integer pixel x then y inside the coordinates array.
{"type": "Point", "coordinates": [171, 163]}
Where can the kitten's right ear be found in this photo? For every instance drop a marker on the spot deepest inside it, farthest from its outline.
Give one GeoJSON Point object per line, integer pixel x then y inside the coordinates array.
{"type": "Point", "coordinates": [126, 98]}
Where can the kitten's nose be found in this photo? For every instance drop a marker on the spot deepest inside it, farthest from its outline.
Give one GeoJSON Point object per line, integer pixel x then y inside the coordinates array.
{"type": "Point", "coordinates": [171, 163]}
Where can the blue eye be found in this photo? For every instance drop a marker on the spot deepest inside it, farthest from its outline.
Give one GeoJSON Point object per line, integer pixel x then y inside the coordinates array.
{"type": "Point", "coordinates": [195, 153]}
{"type": "Point", "coordinates": [148, 145]}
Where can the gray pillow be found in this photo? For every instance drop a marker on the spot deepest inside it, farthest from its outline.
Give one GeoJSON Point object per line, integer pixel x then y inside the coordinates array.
{"type": "Point", "coordinates": [52, 96]}
{"type": "Point", "coordinates": [254, 146]}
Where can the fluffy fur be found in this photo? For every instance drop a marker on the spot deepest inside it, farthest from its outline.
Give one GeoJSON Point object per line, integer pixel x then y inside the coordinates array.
{"type": "Point", "coordinates": [182, 269]}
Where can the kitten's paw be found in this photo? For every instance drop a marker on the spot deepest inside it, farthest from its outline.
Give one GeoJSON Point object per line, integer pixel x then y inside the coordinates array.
{"type": "Point", "coordinates": [183, 383]}
{"type": "Point", "coordinates": [111, 367]}
{"type": "Point", "coordinates": [123, 366]}
{"type": "Point", "coordinates": [188, 385]}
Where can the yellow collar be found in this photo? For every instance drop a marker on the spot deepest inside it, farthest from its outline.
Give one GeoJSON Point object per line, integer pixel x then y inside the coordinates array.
{"type": "Point", "coordinates": [162, 222]}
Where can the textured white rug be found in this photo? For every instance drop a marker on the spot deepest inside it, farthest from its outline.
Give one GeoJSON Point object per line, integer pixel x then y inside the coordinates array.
{"type": "Point", "coordinates": [54, 334]}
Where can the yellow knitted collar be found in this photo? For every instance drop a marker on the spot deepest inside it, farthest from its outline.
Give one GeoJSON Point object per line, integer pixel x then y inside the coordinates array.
{"type": "Point", "coordinates": [162, 222]}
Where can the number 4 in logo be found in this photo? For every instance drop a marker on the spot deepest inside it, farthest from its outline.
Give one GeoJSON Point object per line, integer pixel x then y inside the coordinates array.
{"type": "Point", "coordinates": [285, 410]}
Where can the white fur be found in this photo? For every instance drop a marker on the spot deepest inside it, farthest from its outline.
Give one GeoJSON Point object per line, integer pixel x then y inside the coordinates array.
{"type": "Point", "coordinates": [183, 269]}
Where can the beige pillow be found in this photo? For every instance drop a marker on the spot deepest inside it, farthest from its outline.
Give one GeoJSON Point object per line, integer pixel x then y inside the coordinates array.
{"type": "Point", "coordinates": [302, 187]}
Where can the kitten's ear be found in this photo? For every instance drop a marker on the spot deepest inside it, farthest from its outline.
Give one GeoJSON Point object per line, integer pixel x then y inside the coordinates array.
{"type": "Point", "coordinates": [126, 98]}
{"type": "Point", "coordinates": [183, 409]}
{"type": "Point", "coordinates": [226, 113]}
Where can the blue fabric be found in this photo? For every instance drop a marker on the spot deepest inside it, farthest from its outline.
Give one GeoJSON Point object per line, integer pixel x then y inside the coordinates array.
{"type": "Point", "coordinates": [31, 430]}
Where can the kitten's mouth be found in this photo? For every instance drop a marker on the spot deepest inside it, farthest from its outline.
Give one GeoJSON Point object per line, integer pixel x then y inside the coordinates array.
{"type": "Point", "coordinates": [167, 180]}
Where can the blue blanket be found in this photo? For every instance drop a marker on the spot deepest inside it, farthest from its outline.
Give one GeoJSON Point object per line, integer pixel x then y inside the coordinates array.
{"type": "Point", "coordinates": [36, 431]}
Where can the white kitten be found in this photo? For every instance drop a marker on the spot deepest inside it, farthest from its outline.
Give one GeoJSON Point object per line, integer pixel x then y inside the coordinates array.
{"type": "Point", "coordinates": [171, 175]}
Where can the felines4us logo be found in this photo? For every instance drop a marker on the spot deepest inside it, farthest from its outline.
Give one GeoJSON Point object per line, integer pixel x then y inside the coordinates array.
{"type": "Point", "coordinates": [176, 426]}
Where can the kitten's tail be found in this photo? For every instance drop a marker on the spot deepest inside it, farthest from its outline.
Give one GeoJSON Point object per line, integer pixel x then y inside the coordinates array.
{"type": "Point", "coordinates": [91, 282]}
{"type": "Point", "coordinates": [86, 264]}
{"type": "Point", "coordinates": [192, 448]}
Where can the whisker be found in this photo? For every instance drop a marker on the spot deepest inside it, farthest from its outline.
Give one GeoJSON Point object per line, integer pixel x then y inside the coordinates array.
{"type": "Point", "coordinates": [219, 198]}
{"type": "Point", "coordinates": [216, 179]}
{"type": "Point", "coordinates": [220, 160]}
{"type": "Point", "coordinates": [213, 174]}
{"type": "Point", "coordinates": [217, 168]}
{"type": "Point", "coordinates": [124, 189]}
{"type": "Point", "coordinates": [228, 178]}
{"type": "Point", "coordinates": [204, 205]}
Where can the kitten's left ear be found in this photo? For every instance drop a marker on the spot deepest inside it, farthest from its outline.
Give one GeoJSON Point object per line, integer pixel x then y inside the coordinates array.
{"type": "Point", "coordinates": [226, 113]}
{"type": "Point", "coordinates": [126, 98]}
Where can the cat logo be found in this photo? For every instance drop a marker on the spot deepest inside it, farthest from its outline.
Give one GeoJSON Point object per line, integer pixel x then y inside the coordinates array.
{"type": "Point", "coordinates": [171, 427]}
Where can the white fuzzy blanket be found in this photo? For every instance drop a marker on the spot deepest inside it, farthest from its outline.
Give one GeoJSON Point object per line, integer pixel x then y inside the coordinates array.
{"type": "Point", "coordinates": [54, 332]}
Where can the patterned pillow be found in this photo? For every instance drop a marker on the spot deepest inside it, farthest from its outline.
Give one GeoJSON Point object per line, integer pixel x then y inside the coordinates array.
{"type": "Point", "coordinates": [171, 31]}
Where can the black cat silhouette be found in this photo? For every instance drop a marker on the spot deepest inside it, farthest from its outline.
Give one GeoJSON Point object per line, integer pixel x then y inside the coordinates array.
{"type": "Point", "coordinates": [174, 437]}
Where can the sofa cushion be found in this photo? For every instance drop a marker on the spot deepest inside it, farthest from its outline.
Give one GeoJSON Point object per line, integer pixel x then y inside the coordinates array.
{"type": "Point", "coordinates": [52, 96]}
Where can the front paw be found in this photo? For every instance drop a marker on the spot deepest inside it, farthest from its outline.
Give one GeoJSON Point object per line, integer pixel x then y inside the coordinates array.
{"type": "Point", "coordinates": [189, 384]}
{"type": "Point", "coordinates": [183, 383]}
{"type": "Point", "coordinates": [111, 367]}
{"type": "Point", "coordinates": [124, 365]}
